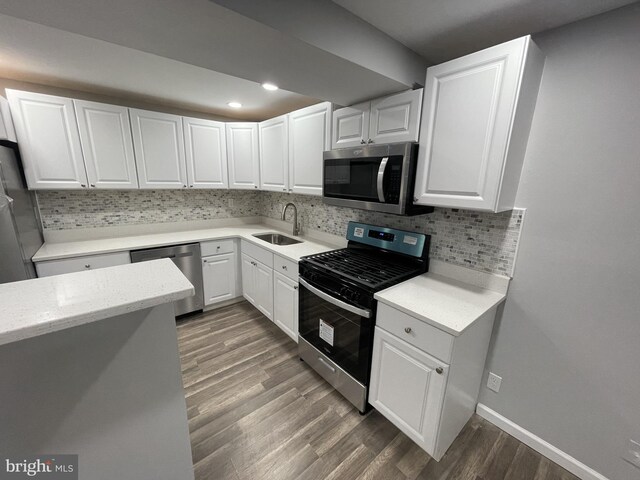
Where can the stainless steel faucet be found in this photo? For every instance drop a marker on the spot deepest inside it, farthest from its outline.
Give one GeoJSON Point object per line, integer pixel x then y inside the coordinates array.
{"type": "Point", "coordinates": [296, 227]}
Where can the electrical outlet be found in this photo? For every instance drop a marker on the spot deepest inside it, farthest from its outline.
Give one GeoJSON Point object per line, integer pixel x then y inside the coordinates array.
{"type": "Point", "coordinates": [632, 454]}
{"type": "Point", "coordinates": [493, 382]}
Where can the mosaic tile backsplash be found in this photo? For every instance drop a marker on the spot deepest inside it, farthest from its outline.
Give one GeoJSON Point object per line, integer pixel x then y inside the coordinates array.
{"type": "Point", "coordinates": [478, 240]}
{"type": "Point", "coordinates": [65, 209]}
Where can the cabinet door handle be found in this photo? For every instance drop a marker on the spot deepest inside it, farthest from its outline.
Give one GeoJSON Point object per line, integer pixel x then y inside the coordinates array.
{"type": "Point", "coordinates": [284, 267]}
{"type": "Point", "coordinates": [369, 141]}
{"type": "Point", "coordinates": [296, 287]}
{"type": "Point", "coordinates": [439, 370]}
{"type": "Point", "coordinates": [93, 185]}
{"type": "Point", "coordinates": [362, 142]}
{"type": "Point", "coordinates": [407, 330]}
{"type": "Point", "coordinates": [83, 185]}
{"type": "Point", "coordinates": [87, 266]}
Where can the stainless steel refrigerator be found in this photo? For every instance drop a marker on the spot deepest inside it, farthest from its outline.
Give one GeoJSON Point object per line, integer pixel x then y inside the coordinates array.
{"type": "Point", "coordinates": [20, 233]}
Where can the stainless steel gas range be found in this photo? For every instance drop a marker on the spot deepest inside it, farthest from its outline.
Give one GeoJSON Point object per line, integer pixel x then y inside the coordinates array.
{"type": "Point", "coordinates": [336, 306]}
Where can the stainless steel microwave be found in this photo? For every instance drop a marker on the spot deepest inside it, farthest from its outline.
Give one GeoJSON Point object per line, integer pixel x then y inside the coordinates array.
{"type": "Point", "coordinates": [372, 177]}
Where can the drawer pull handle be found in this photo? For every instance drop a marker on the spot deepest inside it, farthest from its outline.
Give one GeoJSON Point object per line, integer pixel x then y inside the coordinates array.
{"type": "Point", "coordinates": [87, 266]}
{"type": "Point", "coordinates": [439, 370]}
{"type": "Point", "coordinates": [407, 330]}
{"type": "Point", "coordinates": [284, 267]}
{"type": "Point", "coordinates": [324, 362]}
{"type": "Point", "coordinates": [296, 287]}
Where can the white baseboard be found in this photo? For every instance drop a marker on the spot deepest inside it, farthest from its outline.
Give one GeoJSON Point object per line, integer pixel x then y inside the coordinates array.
{"type": "Point", "coordinates": [554, 454]}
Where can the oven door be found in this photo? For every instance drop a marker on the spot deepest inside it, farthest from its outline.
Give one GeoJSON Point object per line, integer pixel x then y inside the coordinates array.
{"type": "Point", "coordinates": [341, 331]}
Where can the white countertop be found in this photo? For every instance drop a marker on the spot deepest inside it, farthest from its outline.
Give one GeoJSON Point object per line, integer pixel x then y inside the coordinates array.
{"type": "Point", "coordinates": [43, 305]}
{"type": "Point", "coordinates": [55, 251]}
{"type": "Point", "coordinates": [447, 304]}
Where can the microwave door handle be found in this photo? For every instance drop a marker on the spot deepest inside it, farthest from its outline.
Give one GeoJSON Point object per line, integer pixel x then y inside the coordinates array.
{"type": "Point", "coordinates": [381, 170]}
{"type": "Point", "coordinates": [334, 301]}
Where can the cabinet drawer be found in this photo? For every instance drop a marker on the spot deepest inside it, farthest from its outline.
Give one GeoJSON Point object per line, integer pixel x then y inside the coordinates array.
{"type": "Point", "coordinates": [415, 332]}
{"type": "Point", "coordinates": [78, 264]}
{"type": "Point", "coordinates": [216, 247]}
{"type": "Point", "coordinates": [285, 267]}
{"type": "Point", "coordinates": [260, 254]}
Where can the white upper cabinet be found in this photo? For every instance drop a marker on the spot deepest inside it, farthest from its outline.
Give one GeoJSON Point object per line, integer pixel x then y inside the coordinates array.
{"type": "Point", "coordinates": [243, 156]}
{"type": "Point", "coordinates": [206, 153]}
{"type": "Point", "coordinates": [475, 126]}
{"type": "Point", "coordinates": [396, 118]}
{"type": "Point", "coordinates": [105, 133]}
{"type": "Point", "coordinates": [7, 131]}
{"type": "Point", "coordinates": [49, 141]}
{"type": "Point", "coordinates": [274, 154]}
{"type": "Point", "coordinates": [351, 126]}
{"type": "Point", "coordinates": [308, 139]}
{"type": "Point", "coordinates": [391, 119]}
{"type": "Point", "coordinates": [159, 147]}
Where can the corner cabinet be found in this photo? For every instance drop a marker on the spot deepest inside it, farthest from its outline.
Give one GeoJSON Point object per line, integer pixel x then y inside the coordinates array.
{"type": "Point", "coordinates": [205, 153]}
{"type": "Point", "coordinates": [475, 125]}
{"type": "Point", "coordinates": [159, 146]}
{"type": "Point", "coordinates": [309, 137]}
{"type": "Point", "coordinates": [243, 156]}
{"type": "Point", "coordinates": [49, 140]}
{"type": "Point", "coordinates": [105, 133]}
{"type": "Point", "coordinates": [391, 119]}
{"type": "Point", "coordinates": [274, 154]}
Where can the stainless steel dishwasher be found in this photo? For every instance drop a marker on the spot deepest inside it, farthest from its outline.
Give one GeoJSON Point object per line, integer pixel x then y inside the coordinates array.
{"type": "Point", "coordinates": [187, 259]}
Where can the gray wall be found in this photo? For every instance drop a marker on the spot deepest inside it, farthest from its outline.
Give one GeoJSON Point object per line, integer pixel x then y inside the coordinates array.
{"type": "Point", "coordinates": [568, 345]}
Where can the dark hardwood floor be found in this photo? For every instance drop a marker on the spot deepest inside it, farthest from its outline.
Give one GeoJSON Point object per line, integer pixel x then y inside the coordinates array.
{"type": "Point", "coordinates": [257, 412]}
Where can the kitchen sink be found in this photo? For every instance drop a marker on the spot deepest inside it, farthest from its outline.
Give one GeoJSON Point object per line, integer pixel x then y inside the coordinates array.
{"type": "Point", "coordinates": [276, 238]}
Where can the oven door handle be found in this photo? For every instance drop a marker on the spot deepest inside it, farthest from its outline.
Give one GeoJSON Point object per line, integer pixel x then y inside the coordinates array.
{"type": "Point", "coordinates": [381, 170]}
{"type": "Point", "coordinates": [334, 301]}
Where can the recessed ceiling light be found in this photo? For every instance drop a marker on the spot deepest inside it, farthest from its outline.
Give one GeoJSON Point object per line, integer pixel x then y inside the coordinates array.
{"type": "Point", "coordinates": [269, 86]}
{"type": "Point", "coordinates": [235, 104]}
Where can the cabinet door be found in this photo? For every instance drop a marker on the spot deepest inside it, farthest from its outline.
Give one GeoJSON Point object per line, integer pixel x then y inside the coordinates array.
{"type": "Point", "coordinates": [206, 153]}
{"type": "Point", "coordinates": [308, 139]}
{"type": "Point", "coordinates": [159, 147]}
{"type": "Point", "coordinates": [350, 126]}
{"type": "Point", "coordinates": [406, 388]}
{"type": "Point", "coordinates": [49, 141]}
{"type": "Point", "coordinates": [243, 156]}
{"type": "Point", "coordinates": [248, 278]}
{"type": "Point", "coordinates": [219, 278]}
{"type": "Point", "coordinates": [105, 133]}
{"type": "Point", "coordinates": [264, 289]}
{"type": "Point", "coordinates": [274, 155]}
{"type": "Point", "coordinates": [468, 110]}
{"type": "Point", "coordinates": [396, 118]}
{"type": "Point", "coordinates": [285, 304]}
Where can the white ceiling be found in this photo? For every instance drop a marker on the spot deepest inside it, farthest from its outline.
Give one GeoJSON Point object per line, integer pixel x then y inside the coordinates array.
{"type": "Point", "coordinates": [201, 54]}
{"type": "Point", "coordinates": [39, 54]}
{"type": "Point", "coordinates": [441, 30]}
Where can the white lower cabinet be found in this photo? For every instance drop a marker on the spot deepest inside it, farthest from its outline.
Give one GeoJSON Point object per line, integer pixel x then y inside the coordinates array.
{"type": "Point", "coordinates": [78, 264]}
{"type": "Point", "coordinates": [219, 278]}
{"type": "Point", "coordinates": [424, 380]}
{"type": "Point", "coordinates": [407, 386]}
{"type": "Point", "coordinates": [285, 304]}
{"type": "Point", "coordinates": [270, 283]}
{"type": "Point", "coordinates": [257, 280]}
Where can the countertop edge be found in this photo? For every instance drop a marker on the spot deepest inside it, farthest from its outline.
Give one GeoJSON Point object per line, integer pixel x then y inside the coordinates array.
{"type": "Point", "coordinates": [86, 318]}
{"type": "Point", "coordinates": [246, 235]}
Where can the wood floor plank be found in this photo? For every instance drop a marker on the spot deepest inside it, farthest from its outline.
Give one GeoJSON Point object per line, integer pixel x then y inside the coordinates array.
{"type": "Point", "coordinates": [256, 412]}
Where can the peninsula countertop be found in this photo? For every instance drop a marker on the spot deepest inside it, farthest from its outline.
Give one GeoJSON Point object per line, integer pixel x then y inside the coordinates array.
{"type": "Point", "coordinates": [55, 251]}
{"type": "Point", "coordinates": [43, 305]}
